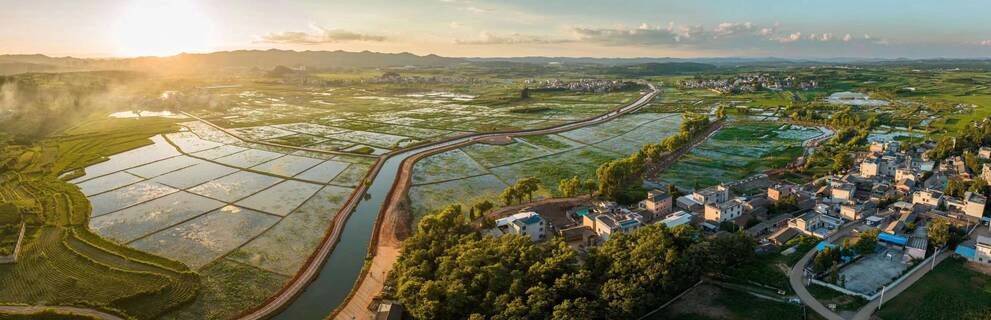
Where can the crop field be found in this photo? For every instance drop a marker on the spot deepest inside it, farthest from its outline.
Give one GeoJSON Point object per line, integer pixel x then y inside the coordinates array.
{"type": "Point", "coordinates": [283, 248]}
{"type": "Point", "coordinates": [199, 241]}
{"type": "Point", "coordinates": [129, 224]}
{"type": "Point", "coordinates": [214, 203]}
{"type": "Point", "coordinates": [480, 172]}
{"type": "Point", "coordinates": [229, 288]}
{"type": "Point", "coordinates": [377, 118]}
{"type": "Point", "coordinates": [737, 151]}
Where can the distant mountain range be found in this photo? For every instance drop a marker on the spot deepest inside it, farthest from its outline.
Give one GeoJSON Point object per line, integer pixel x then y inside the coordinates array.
{"type": "Point", "coordinates": [268, 59]}
{"type": "Point", "coordinates": [241, 59]}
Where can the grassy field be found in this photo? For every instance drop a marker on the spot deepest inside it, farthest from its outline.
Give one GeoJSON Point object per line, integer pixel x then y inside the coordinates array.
{"type": "Point", "coordinates": [951, 291]}
{"type": "Point", "coordinates": [708, 301]}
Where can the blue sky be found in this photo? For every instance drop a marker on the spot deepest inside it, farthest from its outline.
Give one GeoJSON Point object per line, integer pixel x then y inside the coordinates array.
{"type": "Point", "coordinates": [916, 29]}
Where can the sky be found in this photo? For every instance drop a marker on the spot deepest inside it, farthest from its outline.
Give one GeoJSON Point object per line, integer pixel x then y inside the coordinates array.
{"type": "Point", "coordinates": [481, 28]}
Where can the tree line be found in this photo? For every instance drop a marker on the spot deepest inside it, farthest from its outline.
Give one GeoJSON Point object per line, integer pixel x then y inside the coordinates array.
{"type": "Point", "coordinates": [618, 177]}
{"type": "Point", "coordinates": [450, 271]}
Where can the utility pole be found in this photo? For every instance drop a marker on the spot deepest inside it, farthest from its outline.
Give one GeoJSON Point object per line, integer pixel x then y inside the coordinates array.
{"type": "Point", "coordinates": [881, 302]}
{"type": "Point", "coordinates": [934, 260]}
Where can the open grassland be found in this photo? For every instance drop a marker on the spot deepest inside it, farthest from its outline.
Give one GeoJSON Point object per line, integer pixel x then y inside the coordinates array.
{"type": "Point", "coordinates": [951, 291]}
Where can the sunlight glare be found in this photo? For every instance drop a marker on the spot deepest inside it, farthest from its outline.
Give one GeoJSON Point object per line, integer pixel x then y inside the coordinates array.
{"type": "Point", "coordinates": [160, 28]}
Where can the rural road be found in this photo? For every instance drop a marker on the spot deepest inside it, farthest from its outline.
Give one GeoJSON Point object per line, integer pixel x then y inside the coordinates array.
{"type": "Point", "coordinates": [387, 245]}
{"type": "Point", "coordinates": [30, 310]}
{"type": "Point", "coordinates": [797, 280]}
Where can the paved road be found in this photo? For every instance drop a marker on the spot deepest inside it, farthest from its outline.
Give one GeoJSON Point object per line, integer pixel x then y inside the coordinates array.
{"type": "Point", "coordinates": [797, 279]}
{"type": "Point", "coordinates": [30, 310]}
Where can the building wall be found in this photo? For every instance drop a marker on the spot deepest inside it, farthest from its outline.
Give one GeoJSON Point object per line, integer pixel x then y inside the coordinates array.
{"type": "Point", "coordinates": [983, 254]}
{"type": "Point", "coordinates": [869, 169]}
{"type": "Point", "coordinates": [714, 213]}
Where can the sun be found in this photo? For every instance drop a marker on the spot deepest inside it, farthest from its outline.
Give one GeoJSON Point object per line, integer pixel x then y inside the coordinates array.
{"type": "Point", "coordinates": [163, 27]}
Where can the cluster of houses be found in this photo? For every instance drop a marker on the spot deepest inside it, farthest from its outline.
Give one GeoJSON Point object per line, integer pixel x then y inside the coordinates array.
{"type": "Point", "coordinates": [581, 85]}
{"type": "Point", "coordinates": [746, 83]}
{"type": "Point", "coordinates": [891, 189]}
{"type": "Point", "coordinates": [396, 78]}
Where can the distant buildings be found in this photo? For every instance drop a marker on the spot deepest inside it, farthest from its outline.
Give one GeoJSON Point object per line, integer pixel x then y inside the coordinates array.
{"type": "Point", "coordinates": [747, 83]}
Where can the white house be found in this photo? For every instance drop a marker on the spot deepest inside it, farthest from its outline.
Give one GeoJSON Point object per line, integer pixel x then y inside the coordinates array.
{"type": "Point", "coordinates": [724, 211]}
{"type": "Point", "coordinates": [529, 224]}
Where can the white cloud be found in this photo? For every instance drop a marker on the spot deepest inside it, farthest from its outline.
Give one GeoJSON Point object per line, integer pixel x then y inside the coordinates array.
{"type": "Point", "coordinates": [319, 35]}
{"type": "Point", "coordinates": [488, 38]}
{"type": "Point", "coordinates": [454, 25]}
{"type": "Point", "coordinates": [788, 38]}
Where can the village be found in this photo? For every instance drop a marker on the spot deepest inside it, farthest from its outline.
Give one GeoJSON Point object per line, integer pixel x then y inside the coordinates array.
{"type": "Point", "coordinates": [749, 83]}
{"type": "Point", "coordinates": [871, 224]}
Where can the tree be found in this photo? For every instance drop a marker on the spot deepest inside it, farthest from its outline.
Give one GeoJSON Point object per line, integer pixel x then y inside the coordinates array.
{"type": "Point", "coordinates": [674, 192]}
{"type": "Point", "coordinates": [841, 162]}
{"type": "Point", "coordinates": [589, 185]}
{"type": "Point", "coordinates": [484, 206]}
{"type": "Point", "coordinates": [721, 112]}
{"type": "Point", "coordinates": [509, 195]}
{"type": "Point", "coordinates": [616, 176]}
{"type": "Point", "coordinates": [527, 186]}
{"type": "Point", "coordinates": [570, 187]}
{"type": "Point", "coordinates": [525, 93]}
{"type": "Point", "coordinates": [867, 242]}
{"type": "Point", "coordinates": [939, 232]}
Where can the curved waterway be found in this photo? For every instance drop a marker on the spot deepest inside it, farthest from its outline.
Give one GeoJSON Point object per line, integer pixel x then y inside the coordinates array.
{"type": "Point", "coordinates": [342, 268]}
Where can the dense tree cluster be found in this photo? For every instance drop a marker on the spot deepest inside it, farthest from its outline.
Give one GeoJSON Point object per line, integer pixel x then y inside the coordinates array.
{"type": "Point", "coordinates": [957, 187]}
{"type": "Point", "coordinates": [450, 271]}
{"type": "Point", "coordinates": [970, 137]}
{"type": "Point", "coordinates": [575, 186]}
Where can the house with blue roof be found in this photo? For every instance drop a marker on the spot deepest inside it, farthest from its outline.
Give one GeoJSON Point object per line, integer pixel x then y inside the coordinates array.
{"type": "Point", "coordinates": [528, 223]}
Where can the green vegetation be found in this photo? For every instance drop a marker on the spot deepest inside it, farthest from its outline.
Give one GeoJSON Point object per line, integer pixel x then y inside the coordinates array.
{"type": "Point", "coordinates": [61, 261]}
{"type": "Point", "coordinates": [740, 149]}
{"type": "Point", "coordinates": [728, 304]}
{"type": "Point", "coordinates": [449, 270]}
{"type": "Point", "coordinates": [620, 179]}
{"type": "Point", "coordinates": [48, 314]}
{"type": "Point", "coordinates": [951, 291]}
